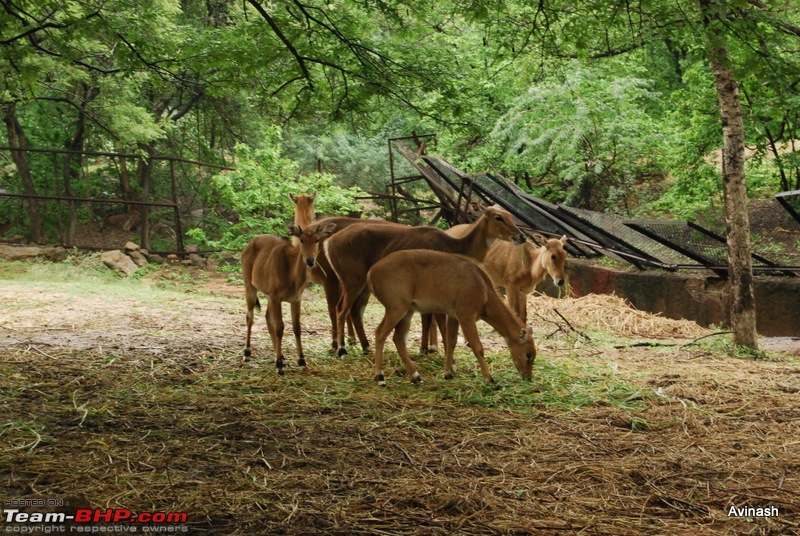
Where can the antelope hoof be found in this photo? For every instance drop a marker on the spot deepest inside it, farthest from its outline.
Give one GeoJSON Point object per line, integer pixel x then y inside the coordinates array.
{"type": "Point", "coordinates": [448, 376]}
{"type": "Point", "coordinates": [365, 349]}
{"type": "Point", "coordinates": [342, 352]}
{"type": "Point", "coordinates": [279, 365]}
{"type": "Point", "coordinates": [247, 352]}
{"type": "Point", "coordinates": [380, 379]}
{"type": "Point", "coordinates": [301, 361]}
{"type": "Point", "coordinates": [416, 378]}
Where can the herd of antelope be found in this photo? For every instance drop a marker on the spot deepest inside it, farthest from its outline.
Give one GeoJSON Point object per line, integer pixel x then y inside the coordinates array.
{"type": "Point", "coordinates": [450, 277]}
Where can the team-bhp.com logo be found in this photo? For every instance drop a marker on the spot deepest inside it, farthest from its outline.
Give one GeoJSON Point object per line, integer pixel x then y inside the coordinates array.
{"type": "Point", "coordinates": [93, 520]}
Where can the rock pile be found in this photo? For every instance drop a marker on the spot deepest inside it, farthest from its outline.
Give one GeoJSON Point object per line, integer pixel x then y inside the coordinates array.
{"type": "Point", "coordinates": [129, 259]}
{"type": "Point", "coordinates": [27, 253]}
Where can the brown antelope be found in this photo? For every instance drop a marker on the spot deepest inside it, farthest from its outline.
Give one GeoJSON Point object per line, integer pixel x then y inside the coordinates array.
{"type": "Point", "coordinates": [322, 273]}
{"type": "Point", "coordinates": [279, 269]}
{"type": "Point", "coordinates": [303, 212]}
{"type": "Point", "coordinates": [455, 285]}
{"type": "Point", "coordinates": [518, 269]}
{"type": "Point", "coordinates": [354, 250]}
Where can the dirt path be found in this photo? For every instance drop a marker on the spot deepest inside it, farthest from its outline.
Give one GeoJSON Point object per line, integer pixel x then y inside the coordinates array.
{"type": "Point", "coordinates": [138, 398]}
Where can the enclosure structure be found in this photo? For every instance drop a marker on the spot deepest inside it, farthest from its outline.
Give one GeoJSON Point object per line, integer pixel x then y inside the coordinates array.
{"type": "Point", "coordinates": [90, 190]}
{"type": "Point", "coordinates": [671, 250]}
{"type": "Point", "coordinates": [668, 245]}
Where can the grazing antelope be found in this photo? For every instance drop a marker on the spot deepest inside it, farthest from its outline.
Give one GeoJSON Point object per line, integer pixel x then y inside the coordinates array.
{"type": "Point", "coordinates": [455, 285]}
{"type": "Point", "coordinates": [352, 252]}
{"type": "Point", "coordinates": [279, 269]}
{"type": "Point", "coordinates": [516, 270]}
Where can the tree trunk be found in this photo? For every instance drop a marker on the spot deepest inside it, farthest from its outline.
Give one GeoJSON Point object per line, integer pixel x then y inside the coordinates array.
{"type": "Point", "coordinates": [70, 172]}
{"type": "Point", "coordinates": [740, 268]}
{"type": "Point", "coordinates": [144, 175]}
{"type": "Point", "coordinates": [16, 138]}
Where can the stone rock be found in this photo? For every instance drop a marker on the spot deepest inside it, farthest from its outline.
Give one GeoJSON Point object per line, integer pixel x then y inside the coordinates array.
{"type": "Point", "coordinates": [130, 246]}
{"type": "Point", "coordinates": [138, 258]}
{"type": "Point", "coordinates": [27, 253]}
{"type": "Point", "coordinates": [198, 261]}
{"type": "Point", "coordinates": [117, 260]}
{"type": "Point", "coordinates": [156, 259]}
{"type": "Point", "coordinates": [228, 258]}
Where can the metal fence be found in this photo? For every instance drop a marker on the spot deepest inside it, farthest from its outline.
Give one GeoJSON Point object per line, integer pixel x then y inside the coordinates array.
{"type": "Point", "coordinates": [169, 199]}
{"type": "Point", "coordinates": [669, 245]}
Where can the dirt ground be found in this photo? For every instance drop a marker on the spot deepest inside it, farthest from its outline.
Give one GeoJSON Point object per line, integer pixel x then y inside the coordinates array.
{"type": "Point", "coordinates": [140, 399]}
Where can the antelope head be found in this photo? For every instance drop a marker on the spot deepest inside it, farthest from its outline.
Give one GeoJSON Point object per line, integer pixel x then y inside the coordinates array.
{"type": "Point", "coordinates": [523, 352]}
{"type": "Point", "coordinates": [310, 238]}
{"type": "Point", "coordinates": [501, 225]}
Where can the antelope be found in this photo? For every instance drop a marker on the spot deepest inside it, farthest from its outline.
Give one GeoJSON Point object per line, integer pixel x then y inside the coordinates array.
{"type": "Point", "coordinates": [354, 250]}
{"type": "Point", "coordinates": [303, 212]}
{"type": "Point", "coordinates": [518, 271]}
{"type": "Point", "coordinates": [280, 269]}
{"type": "Point", "coordinates": [455, 285]}
{"type": "Point", "coordinates": [322, 273]}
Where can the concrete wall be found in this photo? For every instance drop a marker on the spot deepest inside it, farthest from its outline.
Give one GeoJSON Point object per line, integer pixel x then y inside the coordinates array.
{"type": "Point", "coordinates": [702, 299]}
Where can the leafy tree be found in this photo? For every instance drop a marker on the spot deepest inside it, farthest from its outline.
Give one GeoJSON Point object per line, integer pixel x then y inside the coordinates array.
{"type": "Point", "coordinates": [703, 30]}
{"type": "Point", "coordinates": [254, 199]}
{"type": "Point", "coordinates": [585, 138]}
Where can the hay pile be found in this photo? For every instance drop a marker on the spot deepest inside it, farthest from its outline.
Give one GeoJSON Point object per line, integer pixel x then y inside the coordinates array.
{"type": "Point", "coordinates": [144, 402]}
{"type": "Point", "coordinates": [610, 313]}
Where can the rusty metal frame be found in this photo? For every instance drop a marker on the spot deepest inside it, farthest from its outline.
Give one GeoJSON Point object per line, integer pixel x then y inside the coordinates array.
{"type": "Point", "coordinates": [144, 229]}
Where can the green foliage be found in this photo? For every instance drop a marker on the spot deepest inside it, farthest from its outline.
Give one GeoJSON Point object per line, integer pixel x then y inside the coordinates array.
{"type": "Point", "coordinates": [356, 160]}
{"type": "Point", "coordinates": [589, 104]}
{"type": "Point", "coordinates": [586, 137]}
{"type": "Point", "coordinates": [254, 199]}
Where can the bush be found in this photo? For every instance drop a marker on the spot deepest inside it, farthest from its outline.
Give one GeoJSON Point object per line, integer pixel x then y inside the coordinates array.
{"type": "Point", "coordinates": [254, 199]}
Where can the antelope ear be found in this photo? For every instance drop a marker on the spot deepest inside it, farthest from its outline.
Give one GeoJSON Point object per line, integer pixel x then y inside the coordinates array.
{"type": "Point", "coordinates": [524, 335]}
{"type": "Point", "coordinates": [294, 230]}
{"type": "Point", "coordinates": [327, 230]}
{"type": "Point", "coordinates": [293, 198]}
{"type": "Point", "coordinates": [563, 240]}
{"type": "Point", "coordinates": [540, 239]}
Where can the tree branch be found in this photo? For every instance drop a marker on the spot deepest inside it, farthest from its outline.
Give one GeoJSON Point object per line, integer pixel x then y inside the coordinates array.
{"type": "Point", "coordinates": [292, 50]}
